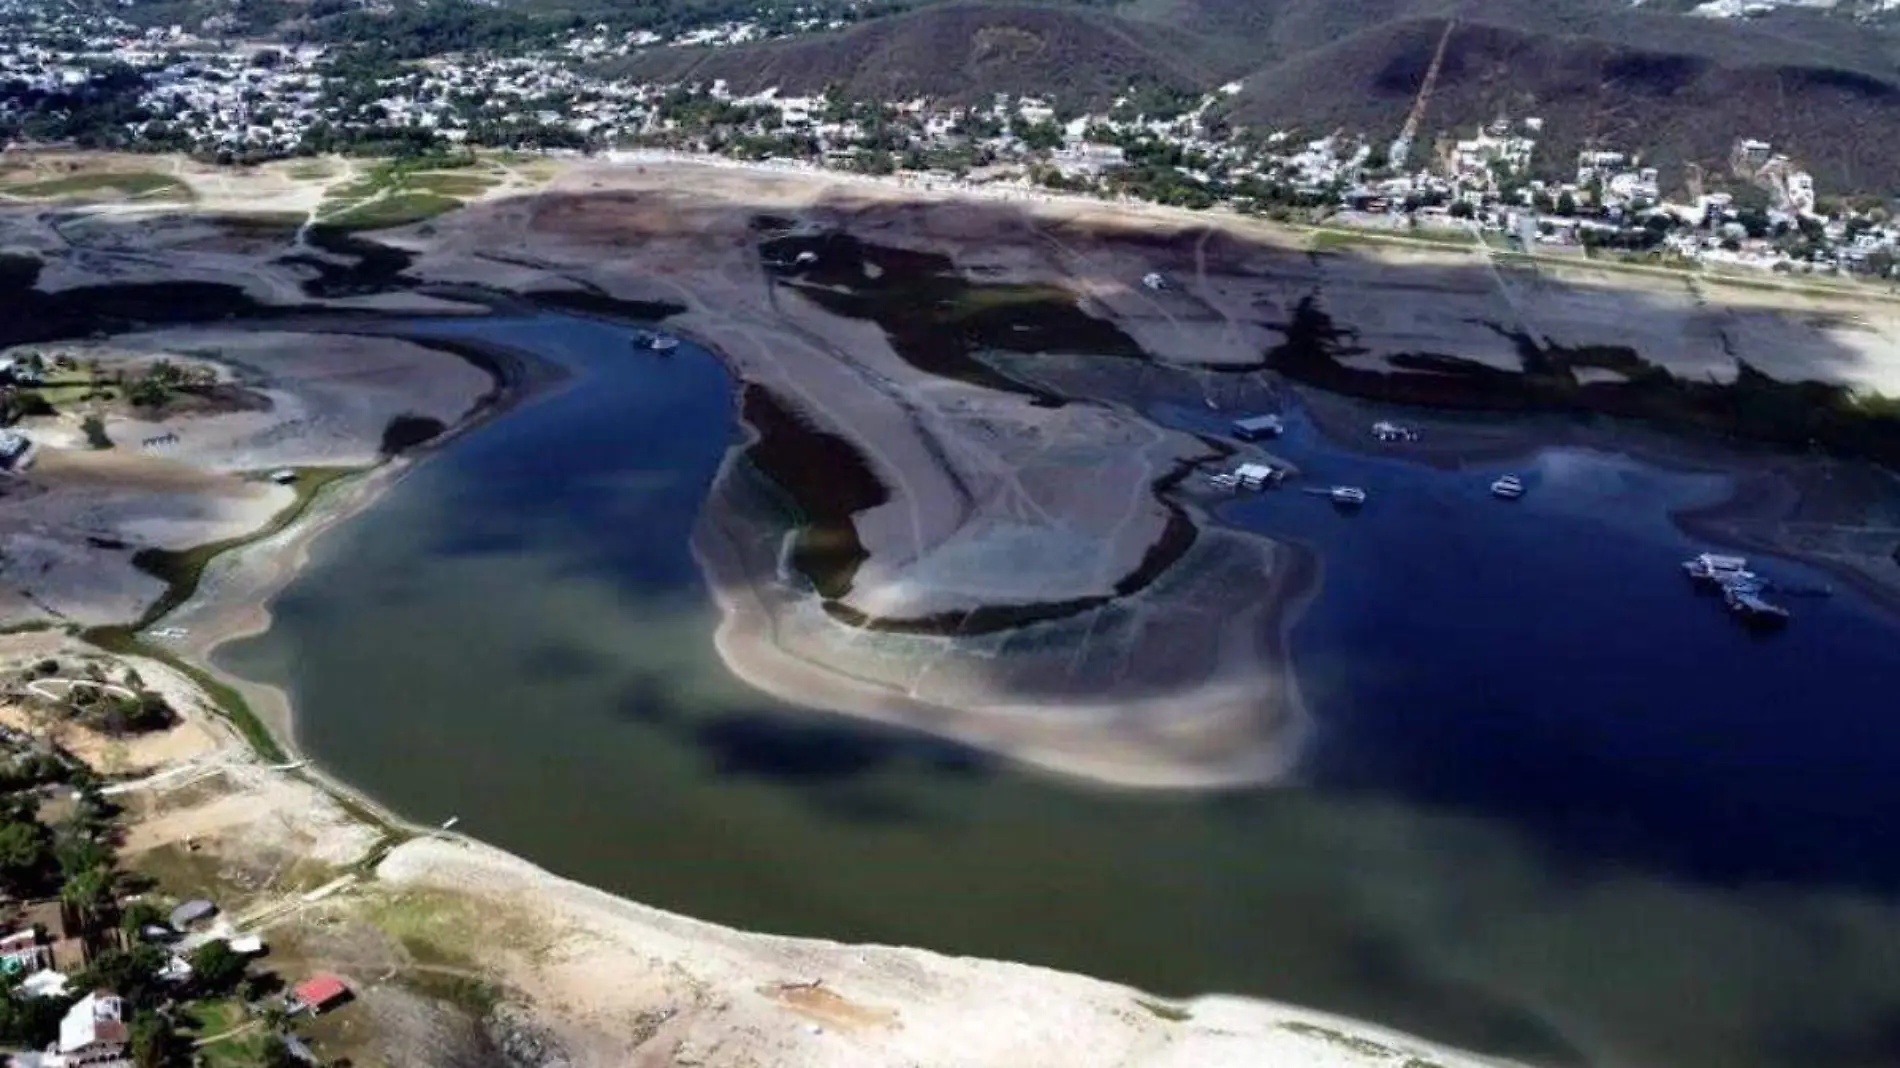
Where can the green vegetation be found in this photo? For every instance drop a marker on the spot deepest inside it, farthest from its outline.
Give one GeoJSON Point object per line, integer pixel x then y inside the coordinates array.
{"type": "Point", "coordinates": [452, 185]}
{"type": "Point", "coordinates": [1327, 238]}
{"type": "Point", "coordinates": [400, 209]}
{"type": "Point", "coordinates": [156, 384]}
{"type": "Point", "coordinates": [1754, 406]}
{"type": "Point", "coordinates": [182, 872]}
{"type": "Point", "coordinates": [477, 998]}
{"type": "Point", "coordinates": [125, 642]}
{"type": "Point", "coordinates": [140, 184]}
{"type": "Point", "coordinates": [1162, 1010]}
{"type": "Point", "coordinates": [408, 430]}
{"type": "Point", "coordinates": [241, 1047]}
{"type": "Point", "coordinates": [405, 190]}
{"type": "Point", "coordinates": [216, 967]}
{"type": "Point", "coordinates": [95, 431]}
{"type": "Point", "coordinates": [115, 713]}
{"type": "Point", "coordinates": [180, 569]}
{"type": "Point", "coordinates": [1365, 1047]}
{"type": "Point", "coordinates": [435, 928]}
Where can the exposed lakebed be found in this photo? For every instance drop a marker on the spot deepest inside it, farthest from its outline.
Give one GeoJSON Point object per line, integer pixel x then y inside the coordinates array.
{"type": "Point", "coordinates": [1557, 806]}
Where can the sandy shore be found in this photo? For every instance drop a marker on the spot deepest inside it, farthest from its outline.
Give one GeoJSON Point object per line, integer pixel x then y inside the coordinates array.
{"type": "Point", "coordinates": [234, 596]}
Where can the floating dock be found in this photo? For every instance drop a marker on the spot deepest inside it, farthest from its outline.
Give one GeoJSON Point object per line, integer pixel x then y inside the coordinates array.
{"type": "Point", "coordinates": [1255, 427]}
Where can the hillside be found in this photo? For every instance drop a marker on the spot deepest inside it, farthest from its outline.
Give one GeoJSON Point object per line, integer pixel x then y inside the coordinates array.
{"type": "Point", "coordinates": [1598, 71]}
{"type": "Point", "coordinates": [1681, 105]}
{"type": "Point", "coordinates": [961, 52]}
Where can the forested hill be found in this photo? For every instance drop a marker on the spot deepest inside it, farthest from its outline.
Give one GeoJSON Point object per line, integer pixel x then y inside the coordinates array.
{"type": "Point", "coordinates": [1597, 71]}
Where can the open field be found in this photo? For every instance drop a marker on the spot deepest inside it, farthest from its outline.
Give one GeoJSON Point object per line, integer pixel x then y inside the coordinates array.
{"type": "Point", "coordinates": [130, 185]}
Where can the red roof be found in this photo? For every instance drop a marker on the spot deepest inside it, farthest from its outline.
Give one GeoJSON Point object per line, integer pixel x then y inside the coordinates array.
{"type": "Point", "coordinates": [320, 990]}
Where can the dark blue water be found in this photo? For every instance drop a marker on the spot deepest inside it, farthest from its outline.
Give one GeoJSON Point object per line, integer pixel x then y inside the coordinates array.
{"type": "Point", "coordinates": [1558, 806]}
{"type": "Point", "coordinates": [1545, 661]}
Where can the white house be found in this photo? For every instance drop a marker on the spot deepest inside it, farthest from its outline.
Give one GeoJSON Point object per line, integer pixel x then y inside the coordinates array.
{"type": "Point", "coordinates": [94, 1033]}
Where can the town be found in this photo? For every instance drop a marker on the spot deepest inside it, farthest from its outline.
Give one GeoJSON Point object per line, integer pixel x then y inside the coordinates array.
{"type": "Point", "coordinates": [102, 967]}
{"type": "Point", "coordinates": [96, 80]}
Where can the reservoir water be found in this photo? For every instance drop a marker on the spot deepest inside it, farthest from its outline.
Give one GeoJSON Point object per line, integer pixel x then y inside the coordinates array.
{"type": "Point", "coordinates": [1557, 807]}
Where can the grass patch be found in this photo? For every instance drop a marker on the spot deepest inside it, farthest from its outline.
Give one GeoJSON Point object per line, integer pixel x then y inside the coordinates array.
{"type": "Point", "coordinates": [1365, 1047]}
{"type": "Point", "coordinates": [238, 1051]}
{"type": "Point", "coordinates": [182, 873]}
{"type": "Point", "coordinates": [205, 1018]}
{"type": "Point", "coordinates": [1325, 239]}
{"type": "Point", "coordinates": [181, 569]}
{"type": "Point", "coordinates": [437, 929]}
{"type": "Point", "coordinates": [450, 185]}
{"type": "Point", "coordinates": [140, 184]}
{"type": "Point", "coordinates": [124, 641]}
{"type": "Point", "coordinates": [1165, 1011]}
{"type": "Point", "coordinates": [60, 393]}
{"type": "Point", "coordinates": [398, 209]}
{"type": "Point", "coordinates": [311, 170]}
{"type": "Point", "coordinates": [476, 997]}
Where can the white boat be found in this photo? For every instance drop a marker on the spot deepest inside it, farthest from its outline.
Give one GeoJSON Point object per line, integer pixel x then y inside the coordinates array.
{"type": "Point", "coordinates": [1719, 569]}
{"type": "Point", "coordinates": [1351, 495]}
{"type": "Point", "coordinates": [1509, 487]}
{"type": "Point", "coordinates": [1744, 599]}
{"type": "Point", "coordinates": [662, 343]}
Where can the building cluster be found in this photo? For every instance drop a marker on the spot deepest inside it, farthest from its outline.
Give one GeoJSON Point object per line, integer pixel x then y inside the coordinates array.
{"type": "Point", "coordinates": [251, 102]}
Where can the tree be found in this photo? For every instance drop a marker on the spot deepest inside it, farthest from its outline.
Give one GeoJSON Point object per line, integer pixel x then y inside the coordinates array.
{"type": "Point", "coordinates": [216, 967]}
{"type": "Point", "coordinates": [25, 849]}
{"type": "Point", "coordinates": [154, 1044]}
{"type": "Point", "coordinates": [1566, 204]}
{"type": "Point", "coordinates": [278, 1055]}
{"type": "Point", "coordinates": [28, 1021]}
{"type": "Point", "coordinates": [89, 893]}
{"type": "Point", "coordinates": [132, 974]}
{"type": "Point", "coordinates": [80, 852]}
{"type": "Point", "coordinates": [137, 916]}
{"type": "Point", "coordinates": [1462, 209]}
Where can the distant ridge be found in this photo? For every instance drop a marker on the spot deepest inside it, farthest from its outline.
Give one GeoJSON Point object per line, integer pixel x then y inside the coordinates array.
{"type": "Point", "coordinates": [1682, 89]}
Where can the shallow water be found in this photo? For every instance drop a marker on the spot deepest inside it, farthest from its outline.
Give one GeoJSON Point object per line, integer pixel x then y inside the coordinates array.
{"type": "Point", "coordinates": [1558, 806]}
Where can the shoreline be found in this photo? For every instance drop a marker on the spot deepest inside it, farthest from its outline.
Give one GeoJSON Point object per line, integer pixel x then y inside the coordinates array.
{"type": "Point", "coordinates": [267, 565]}
{"type": "Point", "coordinates": [1233, 1029]}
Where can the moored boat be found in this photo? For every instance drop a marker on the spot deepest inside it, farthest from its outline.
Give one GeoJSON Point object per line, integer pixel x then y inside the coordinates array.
{"type": "Point", "coordinates": [654, 341]}
{"type": "Point", "coordinates": [1509, 487]}
{"type": "Point", "coordinates": [1719, 569]}
{"type": "Point", "coordinates": [1745, 600]}
{"type": "Point", "coordinates": [1347, 495]}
